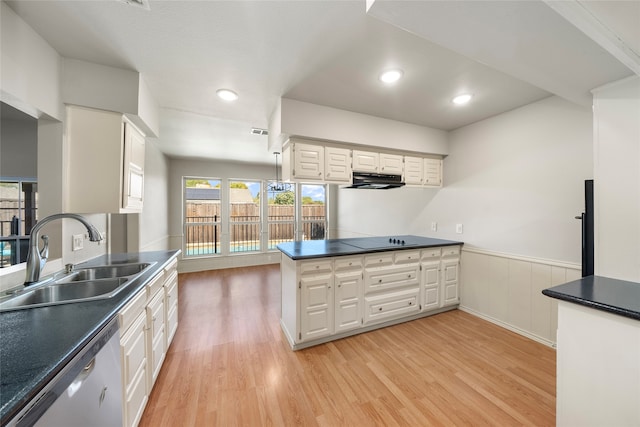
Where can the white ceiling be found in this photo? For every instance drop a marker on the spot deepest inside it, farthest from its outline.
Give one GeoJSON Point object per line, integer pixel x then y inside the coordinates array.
{"type": "Point", "coordinates": [507, 54]}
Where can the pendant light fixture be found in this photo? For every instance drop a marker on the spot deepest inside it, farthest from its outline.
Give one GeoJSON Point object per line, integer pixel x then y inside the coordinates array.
{"type": "Point", "coordinates": [278, 186]}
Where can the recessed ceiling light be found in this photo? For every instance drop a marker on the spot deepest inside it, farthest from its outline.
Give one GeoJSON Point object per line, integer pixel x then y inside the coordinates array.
{"type": "Point", "coordinates": [227, 95]}
{"type": "Point", "coordinates": [391, 76]}
{"type": "Point", "coordinates": [462, 99]}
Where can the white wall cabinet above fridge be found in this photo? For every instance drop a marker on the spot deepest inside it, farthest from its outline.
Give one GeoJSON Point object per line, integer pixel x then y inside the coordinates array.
{"type": "Point", "coordinates": [105, 169]}
{"type": "Point", "coordinates": [314, 161]}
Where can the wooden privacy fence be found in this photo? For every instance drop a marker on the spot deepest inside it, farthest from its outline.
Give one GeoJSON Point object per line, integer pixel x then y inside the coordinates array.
{"type": "Point", "coordinates": [203, 223]}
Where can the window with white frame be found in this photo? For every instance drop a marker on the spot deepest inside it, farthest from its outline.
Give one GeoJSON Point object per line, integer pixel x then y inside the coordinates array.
{"type": "Point", "coordinates": [217, 207]}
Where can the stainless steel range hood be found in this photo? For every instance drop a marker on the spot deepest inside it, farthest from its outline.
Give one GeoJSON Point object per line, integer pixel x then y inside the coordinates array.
{"type": "Point", "coordinates": [376, 181]}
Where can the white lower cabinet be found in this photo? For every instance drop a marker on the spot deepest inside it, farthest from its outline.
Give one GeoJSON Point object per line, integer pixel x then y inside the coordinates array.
{"type": "Point", "coordinates": [134, 372]}
{"type": "Point", "coordinates": [340, 296]}
{"type": "Point", "coordinates": [143, 340]}
{"type": "Point", "coordinates": [431, 284]}
{"type": "Point", "coordinates": [316, 300]}
{"type": "Point", "coordinates": [450, 275]}
{"type": "Point", "coordinates": [155, 337]}
{"type": "Point", "coordinates": [348, 293]}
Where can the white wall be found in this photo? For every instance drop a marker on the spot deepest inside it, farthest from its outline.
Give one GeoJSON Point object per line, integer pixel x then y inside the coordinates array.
{"type": "Point", "coordinates": [317, 121]}
{"type": "Point", "coordinates": [617, 179]}
{"type": "Point", "coordinates": [515, 182]}
{"type": "Point", "coordinates": [154, 220]}
{"type": "Point", "coordinates": [30, 75]}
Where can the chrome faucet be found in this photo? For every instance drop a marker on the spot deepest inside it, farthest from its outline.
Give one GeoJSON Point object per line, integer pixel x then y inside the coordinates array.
{"type": "Point", "coordinates": [37, 259]}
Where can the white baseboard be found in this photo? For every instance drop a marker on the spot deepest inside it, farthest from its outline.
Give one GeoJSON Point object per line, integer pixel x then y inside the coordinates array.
{"type": "Point", "coordinates": [508, 326]}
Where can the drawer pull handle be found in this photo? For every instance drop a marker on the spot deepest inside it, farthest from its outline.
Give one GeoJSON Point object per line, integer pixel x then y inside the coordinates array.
{"type": "Point", "coordinates": [409, 276]}
{"type": "Point", "coordinates": [410, 303]}
{"type": "Point", "coordinates": [380, 309]}
{"type": "Point", "coordinates": [379, 280]}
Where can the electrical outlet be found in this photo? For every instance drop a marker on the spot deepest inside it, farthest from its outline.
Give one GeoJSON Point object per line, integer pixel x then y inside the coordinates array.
{"type": "Point", "coordinates": [434, 226]}
{"type": "Point", "coordinates": [459, 228]}
{"type": "Point", "coordinates": [78, 242]}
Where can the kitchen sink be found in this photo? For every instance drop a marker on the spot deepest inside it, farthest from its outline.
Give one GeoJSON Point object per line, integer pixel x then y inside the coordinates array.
{"type": "Point", "coordinates": [83, 284]}
{"type": "Point", "coordinates": [104, 272]}
{"type": "Point", "coordinates": [60, 293]}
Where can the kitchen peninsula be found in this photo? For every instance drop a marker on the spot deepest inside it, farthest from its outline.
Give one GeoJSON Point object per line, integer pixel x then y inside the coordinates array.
{"type": "Point", "coordinates": [335, 288]}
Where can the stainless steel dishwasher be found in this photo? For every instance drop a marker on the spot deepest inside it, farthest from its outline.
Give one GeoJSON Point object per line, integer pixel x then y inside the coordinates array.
{"type": "Point", "coordinates": [87, 392]}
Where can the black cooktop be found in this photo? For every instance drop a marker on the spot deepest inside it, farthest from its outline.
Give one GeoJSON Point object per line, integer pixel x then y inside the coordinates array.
{"type": "Point", "coordinates": [385, 242]}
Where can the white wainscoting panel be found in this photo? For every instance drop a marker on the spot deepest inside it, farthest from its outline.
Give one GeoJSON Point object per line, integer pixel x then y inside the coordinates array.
{"type": "Point", "coordinates": [507, 290]}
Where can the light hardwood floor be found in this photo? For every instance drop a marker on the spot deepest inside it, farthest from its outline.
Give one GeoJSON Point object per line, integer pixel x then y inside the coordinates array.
{"type": "Point", "coordinates": [230, 365]}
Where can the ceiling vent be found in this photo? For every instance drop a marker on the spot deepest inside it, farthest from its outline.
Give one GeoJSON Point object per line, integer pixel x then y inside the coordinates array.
{"type": "Point", "coordinates": [258, 131]}
{"type": "Point", "coordinates": [138, 3]}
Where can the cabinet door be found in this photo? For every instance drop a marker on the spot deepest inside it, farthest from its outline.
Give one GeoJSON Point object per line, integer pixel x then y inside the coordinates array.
{"type": "Point", "coordinates": [413, 170]}
{"type": "Point", "coordinates": [433, 172]}
{"type": "Point", "coordinates": [431, 284]}
{"type": "Point", "coordinates": [133, 178]}
{"type": "Point", "coordinates": [365, 161]}
{"type": "Point", "coordinates": [450, 270]}
{"type": "Point", "coordinates": [155, 337]}
{"type": "Point", "coordinates": [348, 298]}
{"type": "Point", "coordinates": [308, 161]}
{"type": "Point", "coordinates": [316, 307]}
{"type": "Point", "coordinates": [337, 164]}
{"type": "Point", "coordinates": [391, 163]}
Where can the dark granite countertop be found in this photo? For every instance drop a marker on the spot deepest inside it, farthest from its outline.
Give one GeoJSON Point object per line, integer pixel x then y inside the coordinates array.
{"type": "Point", "coordinates": [307, 249]}
{"type": "Point", "coordinates": [37, 343]}
{"type": "Point", "coordinates": [601, 293]}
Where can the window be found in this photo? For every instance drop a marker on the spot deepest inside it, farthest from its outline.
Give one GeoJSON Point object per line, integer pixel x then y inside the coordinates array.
{"type": "Point", "coordinates": [202, 216]}
{"type": "Point", "coordinates": [314, 216]}
{"type": "Point", "coordinates": [244, 216]}
{"type": "Point", "coordinates": [228, 216]}
{"type": "Point", "coordinates": [18, 214]}
{"type": "Point", "coordinates": [281, 216]}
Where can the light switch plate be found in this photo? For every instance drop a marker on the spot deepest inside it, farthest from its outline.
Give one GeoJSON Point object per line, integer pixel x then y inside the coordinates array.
{"type": "Point", "coordinates": [459, 228]}
{"type": "Point", "coordinates": [434, 226]}
{"type": "Point", "coordinates": [78, 242]}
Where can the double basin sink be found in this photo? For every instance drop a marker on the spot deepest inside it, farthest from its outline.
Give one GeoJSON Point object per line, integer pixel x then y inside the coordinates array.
{"type": "Point", "coordinates": [83, 284]}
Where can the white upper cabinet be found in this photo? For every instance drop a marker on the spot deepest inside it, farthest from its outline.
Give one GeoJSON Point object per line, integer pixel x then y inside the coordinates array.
{"type": "Point", "coordinates": [105, 162]}
{"type": "Point", "coordinates": [337, 164]}
{"type": "Point", "coordinates": [308, 161]}
{"type": "Point", "coordinates": [391, 164]}
{"type": "Point", "coordinates": [366, 161]}
{"type": "Point", "coordinates": [413, 167]}
{"type": "Point", "coordinates": [432, 172]}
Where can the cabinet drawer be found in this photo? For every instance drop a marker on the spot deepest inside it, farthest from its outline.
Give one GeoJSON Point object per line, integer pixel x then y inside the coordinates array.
{"type": "Point", "coordinates": [451, 251]}
{"type": "Point", "coordinates": [431, 253]}
{"type": "Point", "coordinates": [312, 267]}
{"type": "Point", "coordinates": [132, 349]}
{"type": "Point", "coordinates": [407, 257]}
{"type": "Point", "coordinates": [155, 315]}
{"type": "Point", "coordinates": [383, 258]}
{"type": "Point", "coordinates": [382, 279]}
{"type": "Point", "coordinates": [155, 285]}
{"type": "Point", "coordinates": [171, 267]}
{"type": "Point", "coordinates": [131, 311]}
{"type": "Point", "coordinates": [349, 263]}
{"type": "Point", "coordinates": [136, 400]}
{"type": "Point", "coordinates": [391, 305]}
